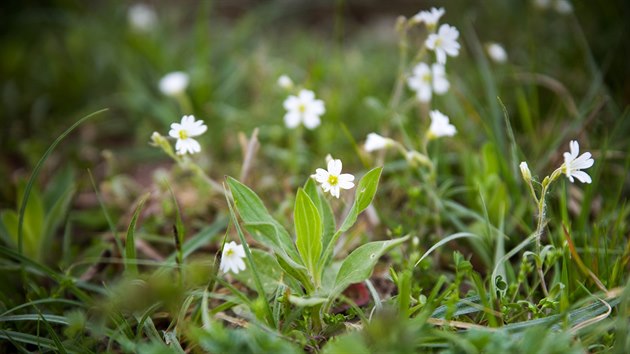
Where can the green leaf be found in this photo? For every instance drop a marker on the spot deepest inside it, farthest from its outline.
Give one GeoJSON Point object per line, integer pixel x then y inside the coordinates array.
{"type": "Point", "coordinates": [55, 216]}
{"type": "Point", "coordinates": [359, 264]}
{"type": "Point", "coordinates": [257, 220]}
{"type": "Point", "coordinates": [363, 197]}
{"type": "Point", "coordinates": [308, 231]}
{"type": "Point", "coordinates": [130, 246]}
{"type": "Point", "coordinates": [306, 301]}
{"type": "Point", "coordinates": [364, 194]}
{"type": "Point", "coordinates": [325, 211]}
{"type": "Point", "coordinates": [268, 270]}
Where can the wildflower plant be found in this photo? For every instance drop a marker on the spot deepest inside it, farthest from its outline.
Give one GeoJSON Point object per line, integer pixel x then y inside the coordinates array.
{"type": "Point", "coordinates": [306, 260]}
{"type": "Point", "coordinates": [572, 168]}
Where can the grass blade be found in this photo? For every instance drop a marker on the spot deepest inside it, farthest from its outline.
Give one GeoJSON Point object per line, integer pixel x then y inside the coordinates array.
{"type": "Point", "coordinates": [38, 166]}
{"type": "Point", "coordinates": [130, 247]}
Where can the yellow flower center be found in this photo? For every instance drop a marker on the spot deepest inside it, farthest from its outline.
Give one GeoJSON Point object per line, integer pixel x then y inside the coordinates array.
{"type": "Point", "coordinates": [426, 77]}
{"type": "Point", "coordinates": [229, 252]}
{"type": "Point", "coordinates": [302, 108]}
{"type": "Point", "coordinates": [333, 180]}
{"type": "Point", "coordinates": [183, 135]}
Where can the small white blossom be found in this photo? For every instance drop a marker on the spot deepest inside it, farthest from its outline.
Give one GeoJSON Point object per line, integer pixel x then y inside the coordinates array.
{"type": "Point", "coordinates": [141, 17]}
{"type": "Point", "coordinates": [232, 258]}
{"type": "Point", "coordinates": [429, 18]}
{"type": "Point", "coordinates": [175, 83]}
{"type": "Point", "coordinates": [573, 164]}
{"type": "Point", "coordinates": [440, 125]}
{"type": "Point", "coordinates": [333, 180]}
{"type": "Point", "coordinates": [527, 175]}
{"type": "Point", "coordinates": [285, 82]}
{"type": "Point", "coordinates": [563, 7]}
{"type": "Point", "coordinates": [426, 80]}
{"type": "Point", "coordinates": [303, 108]}
{"type": "Point", "coordinates": [496, 52]}
{"type": "Point", "coordinates": [444, 43]}
{"type": "Point", "coordinates": [184, 133]}
{"type": "Point", "coordinates": [377, 142]}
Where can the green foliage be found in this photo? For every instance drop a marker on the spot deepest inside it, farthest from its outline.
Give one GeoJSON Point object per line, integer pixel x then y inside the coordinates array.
{"type": "Point", "coordinates": [455, 253]}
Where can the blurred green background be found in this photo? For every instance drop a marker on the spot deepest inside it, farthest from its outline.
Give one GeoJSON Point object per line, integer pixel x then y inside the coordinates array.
{"type": "Point", "coordinates": [60, 60]}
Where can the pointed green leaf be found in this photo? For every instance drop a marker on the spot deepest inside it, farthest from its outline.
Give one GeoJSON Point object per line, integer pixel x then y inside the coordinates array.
{"type": "Point", "coordinates": [359, 264]}
{"type": "Point", "coordinates": [308, 231]}
{"type": "Point", "coordinates": [257, 220]}
{"type": "Point", "coordinates": [325, 211]}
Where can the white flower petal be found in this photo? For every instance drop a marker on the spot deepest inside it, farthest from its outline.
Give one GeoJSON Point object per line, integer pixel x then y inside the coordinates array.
{"type": "Point", "coordinates": [334, 167]}
{"type": "Point", "coordinates": [311, 121]}
{"type": "Point", "coordinates": [321, 175]}
{"type": "Point", "coordinates": [292, 119]}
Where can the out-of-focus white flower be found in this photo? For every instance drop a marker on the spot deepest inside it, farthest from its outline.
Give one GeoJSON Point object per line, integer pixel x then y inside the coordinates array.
{"type": "Point", "coordinates": [444, 43]}
{"type": "Point", "coordinates": [496, 52]}
{"type": "Point", "coordinates": [303, 108]}
{"type": "Point", "coordinates": [440, 126]}
{"type": "Point", "coordinates": [426, 80]}
{"type": "Point", "coordinates": [377, 142]}
{"type": "Point", "coordinates": [333, 180]}
{"type": "Point", "coordinates": [285, 82]}
{"type": "Point", "coordinates": [527, 175]}
{"type": "Point", "coordinates": [429, 18]}
{"type": "Point", "coordinates": [184, 133]}
{"type": "Point", "coordinates": [232, 258]}
{"type": "Point", "coordinates": [542, 4]}
{"type": "Point", "coordinates": [573, 164]}
{"type": "Point", "coordinates": [175, 83]}
{"type": "Point", "coordinates": [563, 7]}
{"type": "Point", "coordinates": [142, 17]}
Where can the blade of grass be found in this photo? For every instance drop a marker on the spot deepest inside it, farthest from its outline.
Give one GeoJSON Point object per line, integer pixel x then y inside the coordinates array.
{"type": "Point", "coordinates": [108, 218]}
{"type": "Point", "coordinates": [445, 240]}
{"type": "Point", "coordinates": [38, 166]}
{"type": "Point", "coordinates": [130, 247]}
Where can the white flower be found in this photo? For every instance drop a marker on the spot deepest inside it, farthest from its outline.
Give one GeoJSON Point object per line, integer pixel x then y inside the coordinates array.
{"type": "Point", "coordinates": [440, 125]}
{"type": "Point", "coordinates": [426, 80]}
{"type": "Point", "coordinates": [184, 133]}
{"type": "Point", "coordinates": [285, 82]}
{"type": "Point", "coordinates": [232, 258]}
{"type": "Point", "coordinates": [496, 52]}
{"type": "Point", "coordinates": [430, 18]}
{"type": "Point", "coordinates": [563, 7]}
{"type": "Point", "coordinates": [527, 175]}
{"type": "Point", "coordinates": [573, 164]}
{"type": "Point", "coordinates": [173, 84]}
{"type": "Point", "coordinates": [377, 142]}
{"type": "Point", "coordinates": [332, 180]}
{"type": "Point", "coordinates": [444, 42]}
{"type": "Point", "coordinates": [141, 17]}
{"type": "Point", "coordinates": [303, 108]}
